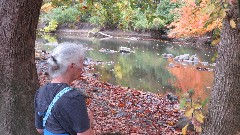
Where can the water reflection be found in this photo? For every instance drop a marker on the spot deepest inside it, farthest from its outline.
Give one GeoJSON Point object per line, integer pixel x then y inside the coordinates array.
{"type": "Point", "coordinates": [145, 68]}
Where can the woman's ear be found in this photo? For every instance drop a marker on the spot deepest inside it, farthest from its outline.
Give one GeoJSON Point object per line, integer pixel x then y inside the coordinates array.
{"type": "Point", "coordinates": [71, 65]}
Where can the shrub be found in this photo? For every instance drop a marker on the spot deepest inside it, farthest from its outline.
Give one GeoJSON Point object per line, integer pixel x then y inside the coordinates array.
{"type": "Point", "coordinates": [105, 14]}
{"type": "Point", "coordinates": [52, 26]}
{"type": "Point", "coordinates": [62, 15]}
{"type": "Point", "coordinates": [50, 38]}
{"type": "Point", "coordinates": [140, 22]}
{"type": "Point", "coordinates": [66, 15]}
{"type": "Point", "coordinates": [126, 19]}
{"type": "Point", "coordinates": [157, 23]}
{"type": "Point", "coordinates": [165, 11]}
{"type": "Point", "coordinates": [125, 14]}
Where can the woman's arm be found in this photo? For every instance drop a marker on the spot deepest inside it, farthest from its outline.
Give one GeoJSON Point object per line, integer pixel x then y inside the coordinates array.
{"type": "Point", "coordinates": [40, 131]}
{"type": "Point", "coordinates": [87, 132]}
{"type": "Point", "coordinates": [90, 115]}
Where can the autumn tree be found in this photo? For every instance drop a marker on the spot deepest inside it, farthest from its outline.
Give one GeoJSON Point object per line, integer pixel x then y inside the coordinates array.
{"type": "Point", "coordinates": [224, 107]}
{"type": "Point", "coordinates": [18, 76]}
{"type": "Point", "coordinates": [197, 18]}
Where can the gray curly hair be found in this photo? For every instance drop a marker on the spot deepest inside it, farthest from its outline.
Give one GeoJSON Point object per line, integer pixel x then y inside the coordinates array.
{"type": "Point", "coordinates": [64, 55]}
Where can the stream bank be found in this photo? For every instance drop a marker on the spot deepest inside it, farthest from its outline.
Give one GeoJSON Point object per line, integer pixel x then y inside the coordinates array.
{"type": "Point", "coordinates": [89, 30]}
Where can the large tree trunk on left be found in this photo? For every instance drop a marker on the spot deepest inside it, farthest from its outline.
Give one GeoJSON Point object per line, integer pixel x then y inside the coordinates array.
{"type": "Point", "coordinates": [18, 76]}
{"type": "Point", "coordinates": [224, 108]}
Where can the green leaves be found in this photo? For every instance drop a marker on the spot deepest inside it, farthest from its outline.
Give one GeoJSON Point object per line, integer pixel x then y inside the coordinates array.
{"type": "Point", "coordinates": [204, 103]}
{"type": "Point", "coordinates": [62, 15]}
{"type": "Point", "coordinates": [183, 102]}
{"type": "Point", "coordinates": [166, 9]}
{"type": "Point", "coordinates": [125, 14]}
{"type": "Point", "coordinates": [140, 21]}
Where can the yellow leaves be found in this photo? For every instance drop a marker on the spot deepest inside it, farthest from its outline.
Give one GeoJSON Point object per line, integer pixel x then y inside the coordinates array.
{"type": "Point", "coordinates": [197, 106]}
{"type": "Point", "coordinates": [170, 123]}
{"type": "Point", "coordinates": [184, 130]}
{"type": "Point", "coordinates": [210, 8]}
{"type": "Point", "coordinates": [51, 26]}
{"type": "Point", "coordinates": [50, 38]}
{"type": "Point", "coordinates": [232, 24]}
{"type": "Point", "coordinates": [199, 116]}
{"type": "Point", "coordinates": [97, 6]}
{"type": "Point", "coordinates": [127, 18]}
{"type": "Point", "coordinates": [198, 129]}
{"type": "Point", "coordinates": [215, 41]}
{"type": "Point", "coordinates": [47, 7]}
{"type": "Point", "coordinates": [223, 13]}
{"type": "Point", "coordinates": [118, 71]}
{"type": "Point", "coordinates": [195, 116]}
{"type": "Point", "coordinates": [189, 113]}
{"type": "Point", "coordinates": [195, 111]}
{"type": "Point", "coordinates": [215, 24]}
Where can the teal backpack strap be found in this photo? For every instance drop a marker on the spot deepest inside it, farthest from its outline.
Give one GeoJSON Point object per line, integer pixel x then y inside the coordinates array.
{"type": "Point", "coordinates": [55, 99]}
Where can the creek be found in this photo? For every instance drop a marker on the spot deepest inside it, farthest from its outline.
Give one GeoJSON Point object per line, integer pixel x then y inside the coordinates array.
{"type": "Point", "coordinates": [144, 68]}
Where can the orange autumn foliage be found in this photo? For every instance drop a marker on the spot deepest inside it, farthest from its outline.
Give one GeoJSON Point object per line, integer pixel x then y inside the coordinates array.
{"type": "Point", "coordinates": [47, 7]}
{"type": "Point", "coordinates": [194, 18]}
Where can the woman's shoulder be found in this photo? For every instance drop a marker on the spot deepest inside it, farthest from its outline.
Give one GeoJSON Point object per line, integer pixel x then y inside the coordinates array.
{"type": "Point", "coordinates": [71, 98]}
{"type": "Point", "coordinates": [44, 87]}
{"type": "Point", "coordinates": [75, 94]}
{"type": "Point", "coordinates": [41, 90]}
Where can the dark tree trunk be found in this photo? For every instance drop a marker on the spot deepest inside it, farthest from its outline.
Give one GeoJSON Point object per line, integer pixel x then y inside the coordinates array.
{"type": "Point", "coordinates": [224, 108]}
{"type": "Point", "coordinates": [18, 77]}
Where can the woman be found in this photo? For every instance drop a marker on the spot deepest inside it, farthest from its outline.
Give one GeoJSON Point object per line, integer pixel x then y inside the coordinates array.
{"type": "Point", "coordinates": [68, 115]}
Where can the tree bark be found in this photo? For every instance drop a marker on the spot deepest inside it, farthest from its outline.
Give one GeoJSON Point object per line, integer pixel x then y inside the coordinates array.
{"type": "Point", "coordinates": [224, 108]}
{"type": "Point", "coordinates": [18, 76]}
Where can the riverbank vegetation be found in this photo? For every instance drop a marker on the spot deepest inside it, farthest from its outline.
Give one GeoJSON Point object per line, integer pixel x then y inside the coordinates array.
{"type": "Point", "coordinates": [174, 18]}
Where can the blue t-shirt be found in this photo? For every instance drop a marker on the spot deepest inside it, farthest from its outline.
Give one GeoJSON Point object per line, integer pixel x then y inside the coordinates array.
{"type": "Point", "coordinates": [69, 114]}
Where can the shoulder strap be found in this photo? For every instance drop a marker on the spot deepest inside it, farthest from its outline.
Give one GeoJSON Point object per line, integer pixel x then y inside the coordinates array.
{"type": "Point", "coordinates": [55, 99]}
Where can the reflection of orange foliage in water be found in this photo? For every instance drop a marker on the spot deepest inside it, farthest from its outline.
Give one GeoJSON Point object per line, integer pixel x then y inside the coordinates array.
{"type": "Point", "coordinates": [190, 78]}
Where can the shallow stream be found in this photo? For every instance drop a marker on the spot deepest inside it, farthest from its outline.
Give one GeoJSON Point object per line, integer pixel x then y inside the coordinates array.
{"type": "Point", "coordinates": [144, 68]}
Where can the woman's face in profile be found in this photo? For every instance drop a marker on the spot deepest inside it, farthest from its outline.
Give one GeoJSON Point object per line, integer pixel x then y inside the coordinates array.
{"type": "Point", "coordinates": [78, 69]}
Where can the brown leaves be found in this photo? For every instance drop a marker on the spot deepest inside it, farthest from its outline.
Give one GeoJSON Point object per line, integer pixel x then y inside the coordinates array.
{"type": "Point", "coordinates": [121, 104]}
{"type": "Point", "coordinates": [129, 111]}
